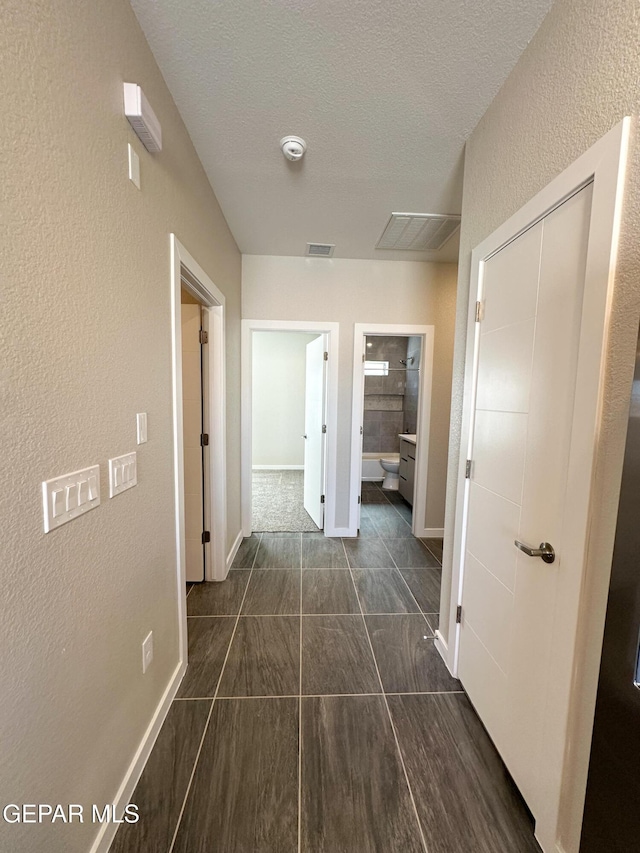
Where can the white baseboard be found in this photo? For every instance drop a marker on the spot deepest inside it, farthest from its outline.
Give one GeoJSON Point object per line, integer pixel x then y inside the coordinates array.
{"type": "Point", "coordinates": [277, 467]}
{"type": "Point", "coordinates": [372, 479]}
{"type": "Point", "coordinates": [430, 532]}
{"type": "Point", "coordinates": [237, 542]}
{"type": "Point", "coordinates": [346, 532]}
{"type": "Point", "coordinates": [107, 831]}
{"type": "Point", "coordinates": [442, 647]}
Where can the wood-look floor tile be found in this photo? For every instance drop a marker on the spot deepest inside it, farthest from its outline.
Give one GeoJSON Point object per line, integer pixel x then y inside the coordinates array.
{"type": "Point", "coordinates": [407, 658]}
{"type": "Point", "coordinates": [279, 553]}
{"type": "Point", "coordinates": [435, 546]}
{"type": "Point", "coordinates": [221, 598]}
{"type": "Point", "coordinates": [264, 658]}
{"type": "Point", "coordinates": [434, 620]}
{"type": "Point", "coordinates": [478, 808]}
{"type": "Point", "coordinates": [410, 553]}
{"type": "Point", "coordinates": [273, 591]}
{"type": "Point", "coordinates": [336, 656]}
{"type": "Point", "coordinates": [367, 554]}
{"type": "Point", "coordinates": [328, 591]}
{"type": "Point", "coordinates": [354, 795]}
{"type": "Point", "coordinates": [246, 553]}
{"type": "Point", "coordinates": [209, 639]}
{"type": "Point", "coordinates": [367, 528]}
{"type": "Point", "coordinates": [244, 796]}
{"type": "Point", "coordinates": [425, 586]}
{"type": "Point", "coordinates": [393, 528]}
{"type": "Point", "coordinates": [160, 792]}
{"type": "Point", "coordinates": [383, 591]}
{"type": "Point", "coordinates": [323, 553]}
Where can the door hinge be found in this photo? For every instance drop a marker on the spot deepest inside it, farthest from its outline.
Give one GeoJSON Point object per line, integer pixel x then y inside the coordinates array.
{"type": "Point", "coordinates": [321, 499]}
{"type": "Point", "coordinates": [324, 428]}
{"type": "Point", "coordinates": [478, 312]}
{"type": "Point", "coordinates": [364, 358]}
{"type": "Point", "coordinates": [361, 431]}
{"type": "Point", "coordinates": [359, 499]}
{"type": "Point", "coordinates": [458, 614]}
{"type": "Point", "coordinates": [467, 470]}
{"type": "Point", "coordinates": [204, 439]}
{"type": "Point", "coordinates": [326, 356]}
{"type": "Point", "coordinates": [204, 337]}
{"type": "Point", "coordinates": [206, 537]}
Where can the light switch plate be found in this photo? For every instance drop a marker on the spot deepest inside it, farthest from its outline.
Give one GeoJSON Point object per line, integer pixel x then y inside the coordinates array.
{"type": "Point", "coordinates": [134, 166]}
{"type": "Point", "coordinates": [141, 423]}
{"type": "Point", "coordinates": [65, 498]}
{"type": "Point", "coordinates": [123, 474]}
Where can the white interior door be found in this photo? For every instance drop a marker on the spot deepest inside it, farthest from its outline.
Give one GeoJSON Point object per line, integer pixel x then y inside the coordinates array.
{"type": "Point", "coordinates": [314, 423]}
{"type": "Point", "coordinates": [532, 298]}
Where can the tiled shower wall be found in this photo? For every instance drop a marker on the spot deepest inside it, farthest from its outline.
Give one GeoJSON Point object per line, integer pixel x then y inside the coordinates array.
{"type": "Point", "coordinates": [412, 384]}
{"type": "Point", "coordinates": [384, 396]}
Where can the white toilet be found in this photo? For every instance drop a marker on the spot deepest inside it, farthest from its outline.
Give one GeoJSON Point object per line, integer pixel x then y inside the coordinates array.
{"type": "Point", "coordinates": [391, 465]}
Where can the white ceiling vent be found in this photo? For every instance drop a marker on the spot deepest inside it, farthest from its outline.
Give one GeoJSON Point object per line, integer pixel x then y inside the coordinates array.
{"type": "Point", "coordinates": [418, 232]}
{"type": "Point", "coordinates": [320, 250]}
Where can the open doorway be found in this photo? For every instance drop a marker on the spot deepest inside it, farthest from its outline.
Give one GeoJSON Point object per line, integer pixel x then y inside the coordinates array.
{"type": "Point", "coordinates": [288, 441]}
{"type": "Point", "coordinates": [289, 426]}
{"type": "Point", "coordinates": [391, 416]}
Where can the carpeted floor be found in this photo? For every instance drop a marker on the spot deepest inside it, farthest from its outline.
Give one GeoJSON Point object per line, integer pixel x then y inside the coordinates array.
{"type": "Point", "coordinates": [277, 503]}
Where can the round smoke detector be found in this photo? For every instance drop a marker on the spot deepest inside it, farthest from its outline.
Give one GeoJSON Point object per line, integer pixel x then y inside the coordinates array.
{"type": "Point", "coordinates": [293, 147]}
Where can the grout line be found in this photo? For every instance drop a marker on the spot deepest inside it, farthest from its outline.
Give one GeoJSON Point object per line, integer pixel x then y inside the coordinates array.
{"type": "Point", "coordinates": [393, 728]}
{"type": "Point", "coordinates": [206, 726]}
{"type": "Point", "coordinates": [317, 696]}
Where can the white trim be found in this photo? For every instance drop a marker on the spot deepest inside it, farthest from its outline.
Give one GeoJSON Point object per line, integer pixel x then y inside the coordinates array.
{"type": "Point", "coordinates": [237, 542]}
{"type": "Point", "coordinates": [203, 288]}
{"type": "Point", "coordinates": [332, 331]}
{"type": "Point", "coordinates": [341, 532]}
{"type": "Point", "coordinates": [433, 533]}
{"type": "Point", "coordinates": [441, 645]}
{"type": "Point", "coordinates": [107, 831]}
{"type": "Point", "coordinates": [424, 418]}
{"type": "Point", "coordinates": [278, 467]}
{"type": "Point", "coordinates": [604, 164]}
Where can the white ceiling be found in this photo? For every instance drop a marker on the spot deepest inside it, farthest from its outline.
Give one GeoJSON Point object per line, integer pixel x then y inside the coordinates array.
{"type": "Point", "coordinates": [385, 93]}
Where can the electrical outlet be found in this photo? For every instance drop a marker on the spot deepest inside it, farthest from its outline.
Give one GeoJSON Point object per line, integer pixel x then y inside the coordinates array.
{"type": "Point", "coordinates": [147, 652]}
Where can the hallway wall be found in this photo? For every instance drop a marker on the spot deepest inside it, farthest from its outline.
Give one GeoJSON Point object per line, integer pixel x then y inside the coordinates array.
{"type": "Point", "coordinates": [85, 343]}
{"type": "Point", "coordinates": [574, 82]}
{"type": "Point", "coordinates": [352, 291]}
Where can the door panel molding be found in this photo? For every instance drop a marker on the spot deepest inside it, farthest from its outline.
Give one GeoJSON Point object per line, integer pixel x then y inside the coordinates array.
{"type": "Point", "coordinates": [565, 748]}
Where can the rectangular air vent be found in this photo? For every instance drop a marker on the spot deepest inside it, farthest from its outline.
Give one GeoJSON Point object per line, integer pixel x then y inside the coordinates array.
{"type": "Point", "coordinates": [418, 232]}
{"type": "Point", "coordinates": [320, 250]}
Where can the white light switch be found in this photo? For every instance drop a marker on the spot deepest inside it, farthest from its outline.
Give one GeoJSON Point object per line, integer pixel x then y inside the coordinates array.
{"type": "Point", "coordinates": [123, 474]}
{"type": "Point", "coordinates": [141, 422]}
{"type": "Point", "coordinates": [65, 498]}
{"type": "Point", "coordinates": [134, 166]}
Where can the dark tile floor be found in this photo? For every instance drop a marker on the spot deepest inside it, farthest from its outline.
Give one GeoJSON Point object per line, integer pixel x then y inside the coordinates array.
{"type": "Point", "coordinates": [316, 715]}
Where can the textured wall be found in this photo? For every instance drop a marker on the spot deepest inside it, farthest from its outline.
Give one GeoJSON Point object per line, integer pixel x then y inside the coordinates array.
{"type": "Point", "coordinates": [576, 80]}
{"type": "Point", "coordinates": [84, 345]}
{"type": "Point", "coordinates": [279, 377]}
{"type": "Point", "coordinates": [348, 292]}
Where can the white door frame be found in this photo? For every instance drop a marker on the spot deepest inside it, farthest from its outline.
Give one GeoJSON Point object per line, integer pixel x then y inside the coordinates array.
{"type": "Point", "coordinates": [604, 165]}
{"type": "Point", "coordinates": [198, 283]}
{"type": "Point", "coordinates": [361, 330]}
{"type": "Point", "coordinates": [311, 327]}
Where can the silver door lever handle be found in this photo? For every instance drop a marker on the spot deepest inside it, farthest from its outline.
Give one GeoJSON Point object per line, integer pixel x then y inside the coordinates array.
{"type": "Point", "coordinates": [545, 551]}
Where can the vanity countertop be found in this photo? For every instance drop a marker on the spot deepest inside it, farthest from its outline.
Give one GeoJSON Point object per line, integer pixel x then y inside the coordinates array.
{"type": "Point", "coordinates": [405, 436]}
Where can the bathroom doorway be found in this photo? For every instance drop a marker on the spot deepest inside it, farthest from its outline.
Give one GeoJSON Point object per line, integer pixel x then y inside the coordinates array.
{"type": "Point", "coordinates": [391, 415]}
{"type": "Point", "coordinates": [288, 435]}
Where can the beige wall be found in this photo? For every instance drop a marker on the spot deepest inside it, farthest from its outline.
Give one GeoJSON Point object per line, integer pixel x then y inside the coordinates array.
{"type": "Point", "coordinates": [278, 383]}
{"type": "Point", "coordinates": [576, 80]}
{"type": "Point", "coordinates": [351, 291]}
{"type": "Point", "coordinates": [85, 343]}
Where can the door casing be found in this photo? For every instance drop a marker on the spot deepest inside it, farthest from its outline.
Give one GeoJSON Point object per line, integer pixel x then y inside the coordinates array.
{"type": "Point", "coordinates": [313, 327]}
{"type": "Point", "coordinates": [566, 748]}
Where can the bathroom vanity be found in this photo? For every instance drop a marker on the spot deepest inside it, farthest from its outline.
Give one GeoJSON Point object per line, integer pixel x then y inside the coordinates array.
{"type": "Point", "coordinates": [407, 465]}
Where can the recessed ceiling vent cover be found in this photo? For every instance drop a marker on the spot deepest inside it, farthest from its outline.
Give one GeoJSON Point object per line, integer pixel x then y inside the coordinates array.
{"type": "Point", "coordinates": [320, 250]}
{"type": "Point", "coordinates": [418, 232]}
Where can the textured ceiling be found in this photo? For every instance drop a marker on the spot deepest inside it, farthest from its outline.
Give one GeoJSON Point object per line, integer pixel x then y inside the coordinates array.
{"type": "Point", "coordinates": [384, 93]}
